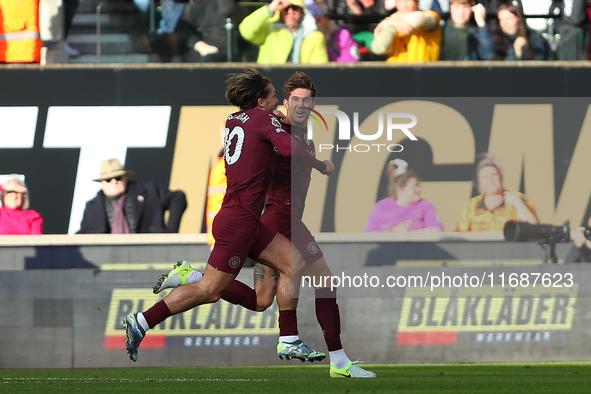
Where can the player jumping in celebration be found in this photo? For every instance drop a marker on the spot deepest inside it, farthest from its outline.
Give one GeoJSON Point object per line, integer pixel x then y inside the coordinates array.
{"type": "Point", "coordinates": [253, 135]}
{"type": "Point", "coordinates": [283, 212]}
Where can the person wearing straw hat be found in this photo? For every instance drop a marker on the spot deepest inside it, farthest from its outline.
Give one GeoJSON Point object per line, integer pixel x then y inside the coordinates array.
{"type": "Point", "coordinates": [123, 206]}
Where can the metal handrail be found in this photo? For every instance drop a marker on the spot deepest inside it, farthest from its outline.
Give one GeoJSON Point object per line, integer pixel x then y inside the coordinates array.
{"type": "Point", "coordinates": [98, 31]}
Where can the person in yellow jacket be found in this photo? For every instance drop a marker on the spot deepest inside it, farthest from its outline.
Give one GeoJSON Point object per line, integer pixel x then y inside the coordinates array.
{"type": "Point", "coordinates": [409, 35]}
{"type": "Point", "coordinates": [284, 35]}
{"type": "Point", "coordinates": [20, 40]}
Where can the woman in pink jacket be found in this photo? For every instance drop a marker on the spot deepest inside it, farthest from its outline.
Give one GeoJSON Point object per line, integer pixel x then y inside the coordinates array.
{"type": "Point", "coordinates": [15, 216]}
{"type": "Point", "coordinates": [404, 210]}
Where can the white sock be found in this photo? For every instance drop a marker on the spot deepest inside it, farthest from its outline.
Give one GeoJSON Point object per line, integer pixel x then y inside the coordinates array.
{"type": "Point", "coordinates": [142, 320]}
{"type": "Point", "coordinates": [339, 359]}
{"type": "Point", "coordinates": [194, 276]}
{"type": "Point", "coordinates": [289, 338]}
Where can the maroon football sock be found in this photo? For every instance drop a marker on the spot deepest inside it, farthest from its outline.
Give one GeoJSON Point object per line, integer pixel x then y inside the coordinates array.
{"type": "Point", "coordinates": [241, 294]}
{"type": "Point", "coordinates": [329, 318]}
{"type": "Point", "coordinates": [288, 323]}
{"type": "Point", "coordinates": [157, 314]}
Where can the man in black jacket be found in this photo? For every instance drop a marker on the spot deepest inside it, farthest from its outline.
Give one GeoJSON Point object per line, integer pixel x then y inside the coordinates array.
{"type": "Point", "coordinates": [123, 206]}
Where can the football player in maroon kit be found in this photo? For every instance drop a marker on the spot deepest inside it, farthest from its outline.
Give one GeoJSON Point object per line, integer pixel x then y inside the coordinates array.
{"type": "Point", "coordinates": [283, 212]}
{"type": "Point", "coordinates": [253, 137]}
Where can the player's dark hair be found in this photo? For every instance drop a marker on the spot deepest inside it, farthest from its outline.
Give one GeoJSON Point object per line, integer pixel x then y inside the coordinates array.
{"type": "Point", "coordinates": [297, 81]}
{"type": "Point", "coordinates": [246, 88]}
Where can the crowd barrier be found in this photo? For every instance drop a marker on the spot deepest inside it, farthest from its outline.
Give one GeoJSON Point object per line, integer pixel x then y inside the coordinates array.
{"type": "Point", "coordinates": [442, 298]}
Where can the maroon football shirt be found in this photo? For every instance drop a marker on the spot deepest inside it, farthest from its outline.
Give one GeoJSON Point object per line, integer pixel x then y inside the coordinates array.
{"type": "Point", "coordinates": [249, 152]}
{"type": "Point", "coordinates": [292, 177]}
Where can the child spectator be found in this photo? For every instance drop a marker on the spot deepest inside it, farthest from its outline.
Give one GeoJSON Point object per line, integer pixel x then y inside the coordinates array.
{"type": "Point", "coordinates": [404, 210]}
{"type": "Point", "coordinates": [340, 45]}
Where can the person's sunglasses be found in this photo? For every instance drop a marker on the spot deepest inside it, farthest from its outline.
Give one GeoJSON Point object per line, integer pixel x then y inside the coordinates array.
{"type": "Point", "coordinates": [117, 178]}
{"type": "Point", "coordinates": [13, 191]}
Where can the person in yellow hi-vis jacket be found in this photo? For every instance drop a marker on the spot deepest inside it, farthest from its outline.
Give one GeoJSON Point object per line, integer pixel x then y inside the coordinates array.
{"type": "Point", "coordinates": [20, 41]}
{"type": "Point", "coordinates": [284, 34]}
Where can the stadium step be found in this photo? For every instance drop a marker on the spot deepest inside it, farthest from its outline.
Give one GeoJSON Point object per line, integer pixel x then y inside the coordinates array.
{"type": "Point", "coordinates": [122, 32]}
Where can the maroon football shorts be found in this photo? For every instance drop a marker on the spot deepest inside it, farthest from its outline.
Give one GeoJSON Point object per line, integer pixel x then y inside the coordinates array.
{"type": "Point", "coordinates": [280, 219]}
{"type": "Point", "coordinates": [238, 234]}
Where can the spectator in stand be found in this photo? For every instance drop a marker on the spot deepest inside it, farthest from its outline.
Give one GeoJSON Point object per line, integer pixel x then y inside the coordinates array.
{"type": "Point", "coordinates": [363, 32]}
{"type": "Point", "coordinates": [207, 33]}
{"type": "Point", "coordinates": [70, 8]}
{"type": "Point", "coordinates": [462, 40]}
{"type": "Point", "coordinates": [15, 216]}
{"type": "Point", "coordinates": [284, 34]}
{"type": "Point", "coordinates": [494, 206]}
{"type": "Point", "coordinates": [123, 206]}
{"type": "Point", "coordinates": [404, 210]}
{"type": "Point", "coordinates": [516, 41]}
{"type": "Point", "coordinates": [193, 30]}
{"type": "Point", "coordinates": [409, 35]}
{"type": "Point", "coordinates": [340, 45]}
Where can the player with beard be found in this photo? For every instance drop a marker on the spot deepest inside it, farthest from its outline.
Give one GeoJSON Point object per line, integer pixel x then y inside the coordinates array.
{"type": "Point", "coordinates": [253, 136]}
{"type": "Point", "coordinates": [283, 213]}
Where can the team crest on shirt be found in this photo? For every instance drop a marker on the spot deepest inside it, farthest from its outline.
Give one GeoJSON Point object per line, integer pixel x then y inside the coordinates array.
{"type": "Point", "coordinates": [275, 122]}
{"type": "Point", "coordinates": [312, 248]}
{"type": "Point", "coordinates": [234, 262]}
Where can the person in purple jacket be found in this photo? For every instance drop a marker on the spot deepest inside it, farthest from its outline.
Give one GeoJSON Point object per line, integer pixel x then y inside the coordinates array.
{"type": "Point", "coordinates": [340, 45]}
{"type": "Point", "coordinates": [404, 210]}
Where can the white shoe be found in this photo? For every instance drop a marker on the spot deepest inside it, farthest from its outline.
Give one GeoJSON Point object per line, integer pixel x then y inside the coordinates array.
{"type": "Point", "coordinates": [73, 52]}
{"type": "Point", "coordinates": [174, 278]}
{"type": "Point", "coordinates": [351, 371]}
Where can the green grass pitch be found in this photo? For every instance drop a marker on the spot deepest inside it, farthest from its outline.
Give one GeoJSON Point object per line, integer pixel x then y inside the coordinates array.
{"type": "Point", "coordinates": [507, 378]}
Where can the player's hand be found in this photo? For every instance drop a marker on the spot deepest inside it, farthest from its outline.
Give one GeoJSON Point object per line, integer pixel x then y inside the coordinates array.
{"type": "Point", "coordinates": [279, 115]}
{"type": "Point", "coordinates": [329, 167]}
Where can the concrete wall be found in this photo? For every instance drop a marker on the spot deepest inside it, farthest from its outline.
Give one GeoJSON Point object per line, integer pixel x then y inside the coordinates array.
{"type": "Point", "coordinates": [61, 317]}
